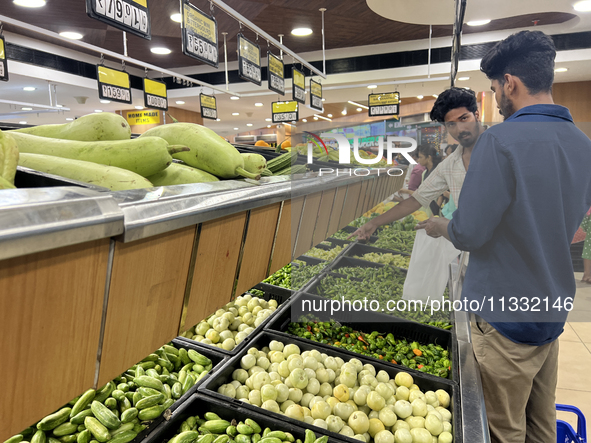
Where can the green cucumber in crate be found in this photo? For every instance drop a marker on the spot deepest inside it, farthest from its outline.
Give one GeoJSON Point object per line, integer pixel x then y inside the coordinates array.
{"type": "Point", "coordinates": [295, 277]}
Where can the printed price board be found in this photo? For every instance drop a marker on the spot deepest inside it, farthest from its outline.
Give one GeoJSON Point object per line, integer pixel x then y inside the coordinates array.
{"type": "Point", "coordinates": [131, 16]}
{"type": "Point", "coordinates": [136, 118]}
{"type": "Point", "coordinates": [316, 95]}
{"type": "Point", "coordinates": [285, 111]}
{"type": "Point", "coordinates": [113, 85]}
{"type": "Point", "coordinates": [298, 86]}
{"type": "Point", "coordinates": [249, 60]}
{"type": "Point", "coordinates": [3, 62]}
{"type": "Point", "coordinates": [384, 104]}
{"type": "Point", "coordinates": [155, 95]}
{"type": "Point", "coordinates": [200, 35]}
{"type": "Point", "coordinates": [208, 106]}
{"type": "Point", "coordinates": [276, 74]}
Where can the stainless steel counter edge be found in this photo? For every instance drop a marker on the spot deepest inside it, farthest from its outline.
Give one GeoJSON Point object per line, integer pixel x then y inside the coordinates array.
{"type": "Point", "coordinates": [39, 219]}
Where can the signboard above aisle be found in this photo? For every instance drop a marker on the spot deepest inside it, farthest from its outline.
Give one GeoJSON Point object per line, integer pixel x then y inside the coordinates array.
{"type": "Point", "coordinates": [298, 86]}
{"type": "Point", "coordinates": [200, 35]}
{"type": "Point", "coordinates": [316, 95]}
{"type": "Point", "coordinates": [131, 16]}
{"type": "Point", "coordinates": [384, 104]}
{"type": "Point", "coordinates": [249, 60]}
{"type": "Point", "coordinates": [155, 95]}
{"type": "Point", "coordinates": [208, 106]}
{"type": "Point", "coordinates": [113, 85]}
{"type": "Point", "coordinates": [137, 118]}
{"type": "Point", "coordinates": [3, 63]}
{"type": "Point", "coordinates": [276, 76]}
{"type": "Point", "coordinates": [284, 111]}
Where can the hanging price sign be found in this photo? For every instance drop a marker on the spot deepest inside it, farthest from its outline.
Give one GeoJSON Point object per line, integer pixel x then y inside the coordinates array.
{"type": "Point", "coordinates": [298, 86]}
{"type": "Point", "coordinates": [384, 104]}
{"type": "Point", "coordinates": [155, 95]}
{"type": "Point", "coordinates": [200, 35]}
{"type": "Point", "coordinates": [276, 74]}
{"type": "Point", "coordinates": [3, 63]}
{"type": "Point", "coordinates": [249, 60]}
{"type": "Point", "coordinates": [131, 16]}
{"type": "Point", "coordinates": [208, 106]}
{"type": "Point", "coordinates": [284, 111]}
{"type": "Point", "coordinates": [113, 85]}
{"type": "Point", "coordinates": [316, 95]}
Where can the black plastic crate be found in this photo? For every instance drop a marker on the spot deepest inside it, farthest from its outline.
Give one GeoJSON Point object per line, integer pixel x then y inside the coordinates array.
{"type": "Point", "coordinates": [229, 410]}
{"type": "Point", "coordinates": [361, 249]}
{"type": "Point", "coordinates": [348, 262]}
{"type": "Point", "coordinates": [372, 321]}
{"type": "Point", "coordinates": [338, 242]}
{"type": "Point", "coordinates": [425, 383]}
{"type": "Point", "coordinates": [327, 248]}
{"type": "Point", "coordinates": [311, 261]}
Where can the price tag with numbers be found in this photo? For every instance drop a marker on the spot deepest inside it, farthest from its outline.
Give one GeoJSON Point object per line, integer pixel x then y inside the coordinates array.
{"type": "Point", "coordinates": [384, 104]}
{"type": "Point", "coordinates": [298, 86]}
{"type": "Point", "coordinates": [131, 16]}
{"type": "Point", "coordinates": [285, 111]}
{"type": "Point", "coordinates": [113, 85]}
{"type": "Point", "coordinates": [3, 63]}
{"type": "Point", "coordinates": [208, 106]}
{"type": "Point", "coordinates": [249, 60]}
{"type": "Point", "coordinates": [316, 95]}
{"type": "Point", "coordinates": [155, 94]}
{"type": "Point", "coordinates": [200, 35]}
{"type": "Point", "coordinates": [276, 77]}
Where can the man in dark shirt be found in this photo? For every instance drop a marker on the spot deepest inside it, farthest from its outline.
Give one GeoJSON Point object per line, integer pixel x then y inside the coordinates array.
{"type": "Point", "coordinates": [524, 196]}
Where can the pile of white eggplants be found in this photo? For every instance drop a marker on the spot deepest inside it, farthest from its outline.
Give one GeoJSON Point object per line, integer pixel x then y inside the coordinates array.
{"type": "Point", "coordinates": [348, 398]}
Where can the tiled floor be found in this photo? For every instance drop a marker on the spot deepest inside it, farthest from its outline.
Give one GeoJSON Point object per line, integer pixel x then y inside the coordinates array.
{"type": "Point", "coordinates": [574, 360]}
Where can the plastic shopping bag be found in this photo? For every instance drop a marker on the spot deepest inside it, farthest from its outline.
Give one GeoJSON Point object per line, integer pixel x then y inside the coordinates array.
{"type": "Point", "coordinates": [428, 271]}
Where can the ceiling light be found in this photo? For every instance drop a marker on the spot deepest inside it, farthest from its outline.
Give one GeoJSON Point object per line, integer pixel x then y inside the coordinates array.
{"type": "Point", "coordinates": [236, 129]}
{"type": "Point", "coordinates": [420, 97]}
{"type": "Point", "coordinates": [258, 104]}
{"type": "Point", "coordinates": [268, 126]}
{"type": "Point", "coordinates": [463, 79]}
{"type": "Point", "coordinates": [300, 32]}
{"type": "Point", "coordinates": [372, 86]}
{"type": "Point", "coordinates": [30, 3]}
{"type": "Point", "coordinates": [344, 112]}
{"type": "Point", "coordinates": [561, 70]}
{"type": "Point", "coordinates": [59, 106]}
{"type": "Point", "coordinates": [180, 102]}
{"type": "Point", "coordinates": [27, 109]}
{"type": "Point", "coordinates": [249, 124]}
{"type": "Point", "coordinates": [435, 95]}
{"type": "Point", "coordinates": [358, 104]}
{"type": "Point", "coordinates": [160, 51]}
{"type": "Point", "coordinates": [105, 102]}
{"type": "Point", "coordinates": [323, 99]}
{"type": "Point", "coordinates": [235, 113]}
{"type": "Point", "coordinates": [69, 119]}
{"type": "Point", "coordinates": [71, 35]}
{"type": "Point", "coordinates": [304, 120]}
{"type": "Point", "coordinates": [268, 119]}
{"type": "Point", "coordinates": [139, 107]}
{"type": "Point", "coordinates": [233, 97]}
{"type": "Point", "coordinates": [329, 115]}
{"type": "Point", "coordinates": [22, 123]}
{"type": "Point", "coordinates": [315, 118]}
{"type": "Point", "coordinates": [29, 88]}
{"type": "Point", "coordinates": [217, 120]}
{"type": "Point", "coordinates": [478, 22]}
{"type": "Point", "coordinates": [176, 18]}
{"type": "Point", "coordinates": [359, 109]}
{"type": "Point", "coordinates": [584, 6]}
{"type": "Point", "coordinates": [98, 110]}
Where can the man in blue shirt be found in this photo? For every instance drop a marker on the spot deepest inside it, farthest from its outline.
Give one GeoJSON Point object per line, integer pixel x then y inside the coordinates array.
{"type": "Point", "coordinates": [524, 196]}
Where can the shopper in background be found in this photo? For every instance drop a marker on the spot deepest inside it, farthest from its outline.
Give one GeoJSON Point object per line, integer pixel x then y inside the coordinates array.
{"type": "Point", "coordinates": [587, 248]}
{"type": "Point", "coordinates": [520, 269]}
{"type": "Point", "coordinates": [450, 150]}
{"type": "Point", "coordinates": [458, 110]}
{"type": "Point", "coordinates": [416, 174]}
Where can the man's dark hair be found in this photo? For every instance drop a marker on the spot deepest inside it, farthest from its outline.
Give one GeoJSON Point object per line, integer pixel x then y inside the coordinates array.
{"type": "Point", "coordinates": [528, 55]}
{"type": "Point", "coordinates": [453, 98]}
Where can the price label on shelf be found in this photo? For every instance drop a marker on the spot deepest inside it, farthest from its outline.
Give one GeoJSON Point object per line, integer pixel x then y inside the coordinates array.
{"type": "Point", "coordinates": [208, 106]}
{"type": "Point", "coordinates": [155, 95]}
{"type": "Point", "coordinates": [3, 63]}
{"type": "Point", "coordinates": [316, 95]}
{"type": "Point", "coordinates": [200, 35]}
{"type": "Point", "coordinates": [276, 74]}
{"type": "Point", "coordinates": [131, 16]}
{"type": "Point", "coordinates": [249, 60]}
{"type": "Point", "coordinates": [298, 86]}
{"type": "Point", "coordinates": [285, 111]}
{"type": "Point", "coordinates": [113, 85]}
{"type": "Point", "coordinates": [384, 104]}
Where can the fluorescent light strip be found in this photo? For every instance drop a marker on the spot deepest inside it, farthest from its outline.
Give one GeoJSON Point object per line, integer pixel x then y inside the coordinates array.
{"type": "Point", "coordinates": [324, 118]}
{"type": "Point", "coordinates": [357, 104]}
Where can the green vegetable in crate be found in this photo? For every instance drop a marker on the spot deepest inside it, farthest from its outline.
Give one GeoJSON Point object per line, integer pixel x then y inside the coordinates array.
{"type": "Point", "coordinates": [178, 174]}
{"type": "Point", "coordinates": [281, 162]}
{"type": "Point", "coordinates": [207, 150]}
{"type": "Point", "coordinates": [322, 254]}
{"type": "Point", "coordinates": [400, 261]}
{"type": "Point", "coordinates": [254, 163]}
{"type": "Point", "coordinates": [390, 238]}
{"type": "Point", "coordinates": [9, 155]}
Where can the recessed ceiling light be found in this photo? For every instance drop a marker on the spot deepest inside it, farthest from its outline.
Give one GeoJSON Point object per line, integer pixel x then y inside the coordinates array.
{"type": "Point", "coordinates": [29, 88]}
{"type": "Point", "coordinates": [27, 109]}
{"type": "Point", "coordinates": [235, 113]}
{"type": "Point", "coordinates": [304, 120]}
{"type": "Point", "coordinates": [71, 35]}
{"type": "Point", "coordinates": [160, 51]}
{"type": "Point", "coordinates": [258, 104]}
{"type": "Point", "coordinates": [217, 120]}
{"type": "Point", "coordinates": [180, 102]}
{"type": "Point", "coordinates": [359, 109]}
{"type": "Point", "coordinates": [30, 3]}
{"type": "Point", "coordinates": [69, 119]}
{"type": "Point", "coordinates": [98, 110]}
{"type": "Point", "coordinates": [268, 126]}
{"type": "Point", "coordinates": [139, 107]}
{"type": "Point", "coordinates": [344, 112]}
{"type": "Point", "coordinates": [268, 119]}
{"type": "Point", "coordinates": [236, 129]}
{"type": "Point", "coordinates": [249, 124]}
{"type": "Point", "coordinates": [372, 86]}
{"type": "Point", "coordinates": [105, 102]}
{"type": "Point", "coordinates": [584, 6]}
{"type": "Point", "coordinates": [561, 70]}
{"type": "Point", "coordinates": [59, 106]}
{"type": "Point", "coordinates": [463, 79]}
{"type": "Point", "coordinates": [176, 18]}
{"type": "Point", "coordinates": [358, 104]}
{"type": "Point", "coordinates": [300, 32]}
{"type": "Point", "coordinates": [233, 97]}
{"type": "Point", "coordinates": [329, 115]}
{"type": "Point", "coordinates": [435, 95]}
{"type": "Point", "coordinates": [22, 123]}
{"type": "Point", "coordinates": [323, 99]}
{"type": "Point", "coordinates": [420, 97]}
{"type": "Point", "coordinates": [478, 22]}
{"type": "Point", "coordinates": [315, 118]}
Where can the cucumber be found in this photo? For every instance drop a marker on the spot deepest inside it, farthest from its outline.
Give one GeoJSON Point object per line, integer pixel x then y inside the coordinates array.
{"type": "Point", "coordinates": [98, 431]}
{"type": "Point", "coordinates": [146, 381]}
{"type": "Point", "coordinates": [177, 174]}
{"type": "Point", "coordinates": [150, 401]}
{"type": "Point", "coordinates": [254, 425]}
{"type": "Point", "coordinates": [145, 156]}
{"type": "Point", "coordinates": [91, 127]}
{"type": "Point", "coordinates": [105, 415]}
{"type": "Point", "coordinates": [207, 150]}
{"type": "Point", "coordinates": [148, 392]}
{"type": "Point", "coordinates": [123, 428]}
{"type": "Point", "coordinates": [118, 394]}
{"type": "Point", "coordinates": [52, 421]}
{"type": "Point", "coordinates": [15, 439]}
{"type": "Point", "coordinates": [64, 429]}
{"type": "Point", "coordinates": [111, 177]}
{"type": "Point", "coordinates": [198, 358]}
{"type": "Point", "coordinates": [128, 415]}
{"type": "Point", "coordinates": [83, 401]}
{"type": "Point", "coordinates": [224, 438]}
{"type": "Point", "coordinates": [244, 429]}
{"type": "Point", "coordinates": [254, 163]}
{"type": "Point", "coordinates": [84, 437]}
{"type": "Point", "coordinates": [111, 402]}
{"type": "Point", "coordinates": [184, 355]}
{"type": "Point", "coordinates": [216, 426]}
{"type": "Point", "coordinates": [124, 437]}
{"type": "Point", "coordinates": [186, 437]}
{"type": "Point", "coordinates": [150, 413]}
{"type": "Point", "coordinates": [177, 390]}
{"type": "Point", "coordinates": [241, 438]}
{"type": "Point", "coordinates": [69, 438]}
{"type": "Point", "coordinates": [39, 437]}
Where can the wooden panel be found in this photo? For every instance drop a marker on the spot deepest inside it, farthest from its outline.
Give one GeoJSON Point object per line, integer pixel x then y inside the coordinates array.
{"type": "Point", "coordinates": [282, 248]}
{"type": "Point", "coordinates": [348, 214]}
{"type": "Point", "coordinates": [50, 318]}
{"type": "Point", "coordinates": [337, 209]}
{"type": "Point", "coordinates": [323, 216]}
{"type": "Point", "coordinates": [308, 223]}
{"type": "Point", "coordinates": [257, 247]}
{"type": "Point", "coordinates": [297, 208]}
{"type": "Point", "coordinates": [570, 95]}
{"type": "Point", "coordinates": [361, 203]}
{"type": "Point", "coordinates": [218, 250]}
{"type": "Point", "coordinates": [145, 298]}
{"type": "Point", "coordinates": [369, 197]}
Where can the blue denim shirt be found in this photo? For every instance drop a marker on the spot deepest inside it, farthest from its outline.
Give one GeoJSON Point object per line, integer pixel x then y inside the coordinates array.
{"type": "Point", "coordinates": [526, 192]}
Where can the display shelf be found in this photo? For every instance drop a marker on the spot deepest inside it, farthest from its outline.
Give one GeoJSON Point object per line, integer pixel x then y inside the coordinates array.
{"type": "Point", "coordinates": [360, 249]}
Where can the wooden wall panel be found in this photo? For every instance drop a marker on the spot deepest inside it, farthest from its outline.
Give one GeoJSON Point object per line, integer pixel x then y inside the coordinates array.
{"type": "Point", "coordinates": [361, 203]}
{"type": "Point", "coordinates": [283, 246]}
{"type": "Point", "coordinates": [145, 298]}
{"type": "Point", "coordinates": [350, 205]}
{"type": "Point", "coordinates": [369, 195]}
{"type": "Point", "coordinates": [308, 223]}
{"type": "Point", "coordinates": [337, 209]}
{"type": "Point", "coordinates": [218, 250]}
{"type": "Point", "coordinates": [50, 317]}
{"type": "Point", "coordinates": [297, 208]}
{"type": "Point", "coordinates": [257, 247]}
{"type": "Point", "coordinates": [323, 216]}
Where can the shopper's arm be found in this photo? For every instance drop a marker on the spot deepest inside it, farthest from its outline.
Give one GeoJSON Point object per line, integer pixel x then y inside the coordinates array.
{"type": "Point", "coordinates": [399, 211]}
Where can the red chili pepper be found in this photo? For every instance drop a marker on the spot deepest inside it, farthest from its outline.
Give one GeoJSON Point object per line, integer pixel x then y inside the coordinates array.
{"type": "Point", "coordinates": [347, 335]}
{"type": "Point", "coordinates": [309, 328]}
{"type": "Point", "coordinates": [419, 366]}
{"type": "Point", "coordinates": [360, 338]}
{"type": "Point", "coordinates": [394, 361]}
